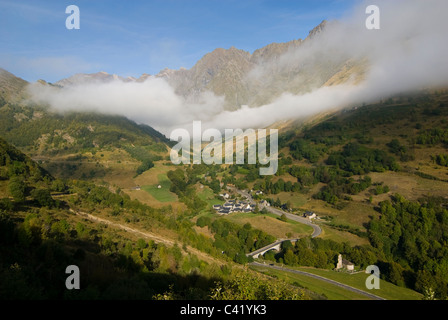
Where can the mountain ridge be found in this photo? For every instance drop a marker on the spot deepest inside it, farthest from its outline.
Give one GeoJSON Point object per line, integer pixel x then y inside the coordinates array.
{"type": "Point", "coordinates": [245, 78]}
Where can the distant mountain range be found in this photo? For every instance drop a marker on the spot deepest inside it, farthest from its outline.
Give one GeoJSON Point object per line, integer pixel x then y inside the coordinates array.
{"type": "Point", "coordinates": [249, 79]}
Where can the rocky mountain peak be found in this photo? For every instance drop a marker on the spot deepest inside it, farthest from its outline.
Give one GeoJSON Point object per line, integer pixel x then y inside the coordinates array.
{"type": "Point", "coordinates": [318, 29]}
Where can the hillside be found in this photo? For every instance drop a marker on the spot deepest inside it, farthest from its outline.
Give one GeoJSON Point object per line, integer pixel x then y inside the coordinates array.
{"type": "Point", "coordinates": [376, 176]}
{"type": "Point", "coordinates": [77, 145]}
{"type": "Point", "coordinates": [10, 86]}
{"type": "Point", "coordinates": [45, 228]}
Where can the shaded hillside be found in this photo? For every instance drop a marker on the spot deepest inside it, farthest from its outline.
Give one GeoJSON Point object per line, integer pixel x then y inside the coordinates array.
{"type": "Point", "coordinates": [13, 162]}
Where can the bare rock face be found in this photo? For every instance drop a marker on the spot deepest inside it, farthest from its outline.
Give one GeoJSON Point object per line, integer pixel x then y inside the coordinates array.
{"type": "Point", "coordinates": [318, 29]}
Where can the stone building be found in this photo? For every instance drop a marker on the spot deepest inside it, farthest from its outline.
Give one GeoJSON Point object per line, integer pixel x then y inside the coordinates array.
{"type": "Point", "coordinates": [344, 264]}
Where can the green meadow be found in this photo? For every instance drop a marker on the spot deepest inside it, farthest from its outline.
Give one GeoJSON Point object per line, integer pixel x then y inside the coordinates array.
{"type": "Point", "coordinates": [162, 194]}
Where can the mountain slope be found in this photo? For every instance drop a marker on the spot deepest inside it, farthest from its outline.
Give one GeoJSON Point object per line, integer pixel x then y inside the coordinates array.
{"type": "Point", "coordinates": [11, 87]}
{"type": "Point", "coordinates": [73, 144]}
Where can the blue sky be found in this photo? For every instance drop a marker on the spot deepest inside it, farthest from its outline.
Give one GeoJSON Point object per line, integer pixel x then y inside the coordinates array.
{"type": "Point", "coordinates": [134, 37]}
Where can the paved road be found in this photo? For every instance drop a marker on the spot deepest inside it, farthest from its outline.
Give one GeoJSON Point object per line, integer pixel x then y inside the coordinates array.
{"type": "Point", "coordinates": [316, 229]}
{"type": "Point", "coordinates": [367, 294]}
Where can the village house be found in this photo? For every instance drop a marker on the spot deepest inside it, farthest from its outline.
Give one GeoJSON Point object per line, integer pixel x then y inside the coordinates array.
{"type": "Point", "coordinates": [234, 206]}
{"type": "Point", "coordinates": [344, 264]}
{"type": "Point", "coordinates": [264, 203]}
{"type": "Point", "coordinates": [309, 215]}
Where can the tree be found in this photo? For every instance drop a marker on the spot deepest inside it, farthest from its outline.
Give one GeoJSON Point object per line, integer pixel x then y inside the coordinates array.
{"type": "Point", "coordinates": [43, 197]}
{"type": "Point", "coordinates": [203, 221]}
{"type": "Point", "coordinates": [146, 165]}
{"type": "Point", "coordinates": [277, 202]}
{"type": "Point", "coordinates": [58, 185]}
{"type": "Point", "coordinates": [17, 188]}
{"type": "Point", "coordinates": [141, 244]}
{"type": "Point", "coordinates": [290, 258]}
{"type": "Point", "coordinates": [286, 245]}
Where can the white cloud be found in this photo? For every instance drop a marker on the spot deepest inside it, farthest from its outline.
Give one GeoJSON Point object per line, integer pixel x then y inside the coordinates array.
{"type": "Point", "coordinates": [151, 102]}
{"type": "Point", "coordinates": [407, 53]}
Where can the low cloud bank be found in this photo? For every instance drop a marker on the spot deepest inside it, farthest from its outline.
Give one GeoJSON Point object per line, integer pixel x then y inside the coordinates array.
{"type": "Point", "coordinates": [407, 53]}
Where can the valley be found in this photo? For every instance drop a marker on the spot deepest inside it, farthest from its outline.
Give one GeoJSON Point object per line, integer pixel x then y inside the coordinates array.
{"type": "Point", "coordinates": [87, 177]}
{"type": "Point", "coordinates": [181, 197]}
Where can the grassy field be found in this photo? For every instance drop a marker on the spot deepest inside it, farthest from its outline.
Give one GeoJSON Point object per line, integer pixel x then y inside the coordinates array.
{"type": "Point", "coordinates": [206, 194]}
{"type": "Point", "coordinates": [412, 186]}
{"type": "Point", "coordinates": [115, 167]}
{"type": "Point", "coordinates": [272, 225]}
{"type": "Point", "coordinates": [163, 193]}
{"type": "Point", "coordinates": [297, 200]}
{"type": "Point", "coordinates": [329, 233]}
{"type": "Point", "coordinates": [387, 290]}
{"type": "Point", "coordinates": [150, 194]}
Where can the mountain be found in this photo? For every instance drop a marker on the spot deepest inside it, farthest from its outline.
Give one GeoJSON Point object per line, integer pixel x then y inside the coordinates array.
{"type": "Point", "coordinates": [252, 79]}
{"type": "Point", "coordinates": [76, 144]}
{"type": "Point", "coordinates": [81, 78]}
{"type": "Point", "coordinates": [11, 87]}
{"type": "Point", "coordinates": [258, 78]}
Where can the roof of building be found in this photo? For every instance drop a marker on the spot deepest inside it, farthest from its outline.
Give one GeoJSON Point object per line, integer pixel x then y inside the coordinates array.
{"type": "Point", "coordinates": [347, 263]}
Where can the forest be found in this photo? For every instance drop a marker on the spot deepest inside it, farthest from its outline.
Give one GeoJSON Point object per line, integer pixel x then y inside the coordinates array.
{"type": "Point", "coordinates": [407, 243]}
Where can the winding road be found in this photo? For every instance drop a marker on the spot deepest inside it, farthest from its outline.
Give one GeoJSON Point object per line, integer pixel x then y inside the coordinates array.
{"type": "Point", "coordinates": [347, 287]}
